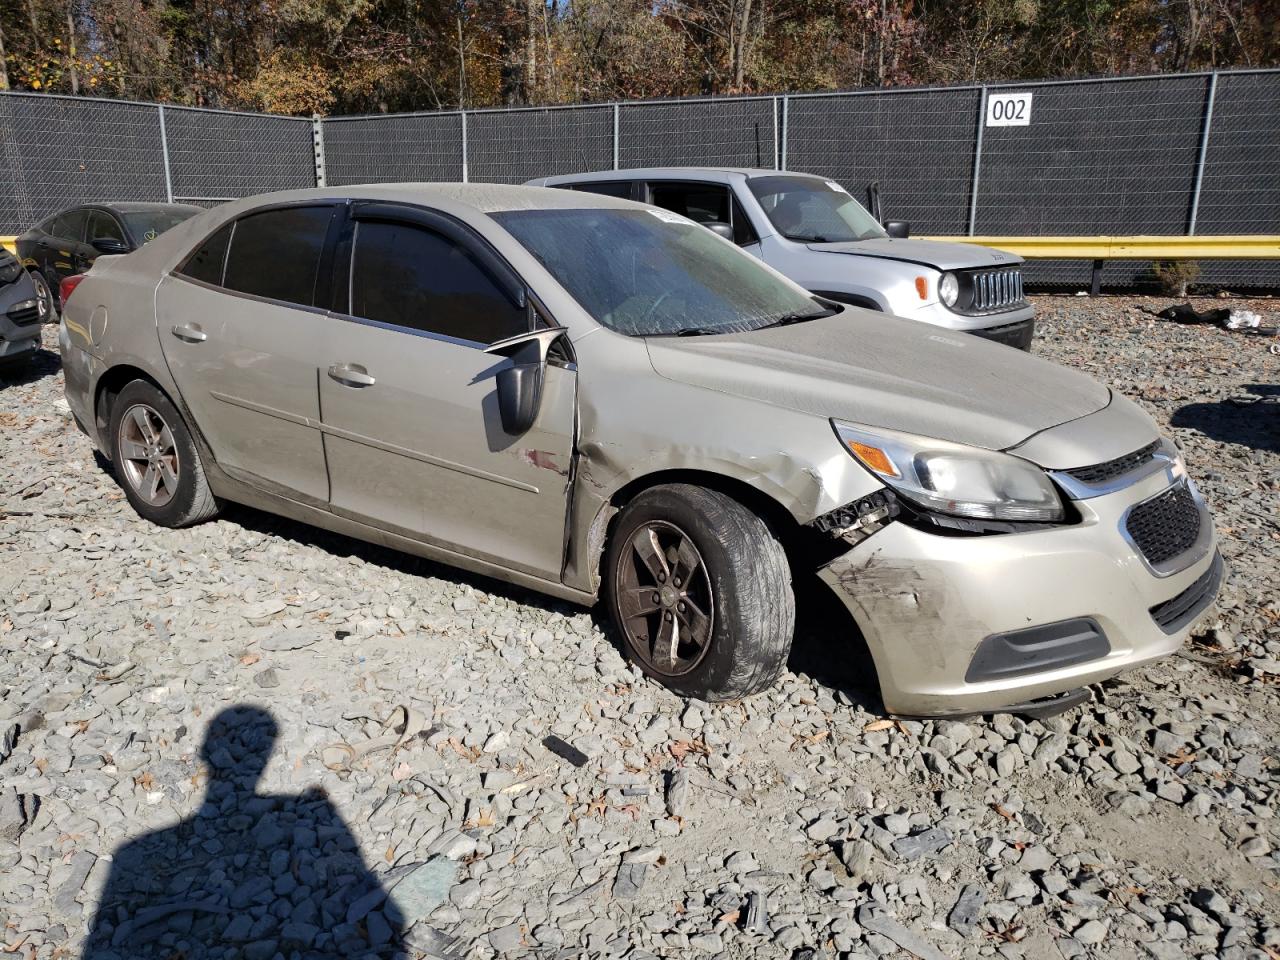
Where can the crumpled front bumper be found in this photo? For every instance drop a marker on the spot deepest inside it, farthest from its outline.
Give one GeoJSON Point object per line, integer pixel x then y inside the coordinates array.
{"type": "Point", "coordinates": [925, 603]}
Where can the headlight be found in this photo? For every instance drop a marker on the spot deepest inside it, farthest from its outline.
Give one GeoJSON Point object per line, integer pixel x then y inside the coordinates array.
{"type": "Point", "coordinates": [10, 270]}
{"type": "Point", "coordinates": [954, 478]}
{"type": "Point", "coordinates": [949, 289]}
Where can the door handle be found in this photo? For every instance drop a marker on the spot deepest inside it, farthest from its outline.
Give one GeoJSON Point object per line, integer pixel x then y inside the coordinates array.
{"type": "Point", "coordinates": [190, 333]}
{"type": "Point", "coordinates": [351, 375]}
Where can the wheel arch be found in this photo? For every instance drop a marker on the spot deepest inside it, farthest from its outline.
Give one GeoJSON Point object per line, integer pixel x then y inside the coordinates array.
{"type": "Point", "coordinates": [776, 516]}
{"type": "Point", "coordinates": [105, 392]}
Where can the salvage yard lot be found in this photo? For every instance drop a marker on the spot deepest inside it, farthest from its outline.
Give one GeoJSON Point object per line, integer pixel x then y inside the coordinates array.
{"type": "Point", "coordinates": [1141, 825]}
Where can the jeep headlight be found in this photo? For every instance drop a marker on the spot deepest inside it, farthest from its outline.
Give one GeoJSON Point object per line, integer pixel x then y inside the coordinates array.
{"type": "Point", "coordinates": [949, 289]}
{"type": "Point", "coordinates": [954, 478]}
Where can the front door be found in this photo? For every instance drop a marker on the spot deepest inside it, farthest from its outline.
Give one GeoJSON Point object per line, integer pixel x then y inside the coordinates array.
{"type": "Point", "coordinates": [413, 436]}
{"type": "Point", "coordinates": [244, 342]}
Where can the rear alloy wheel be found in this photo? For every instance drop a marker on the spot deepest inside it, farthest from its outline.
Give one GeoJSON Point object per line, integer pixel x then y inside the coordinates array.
{"type": "Point", "coordinates": [156, 459]}
{"type": "Point", "coordinates": [700, 591]}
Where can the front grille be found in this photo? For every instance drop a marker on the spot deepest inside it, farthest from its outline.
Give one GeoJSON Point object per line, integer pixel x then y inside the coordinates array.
{"type": "Point", "coordinates": [1172, 615]}
{"type": "Point", "coordinates": [24, 316]}
{"type": "Point", "coordinates": [1018, 334]}
{"type": "Point", "coordinates": [1103, 472]}
{"type": "Point", "coordinates": [1165, 526]}
{"type": "Point", "coordinates": [996, 289]}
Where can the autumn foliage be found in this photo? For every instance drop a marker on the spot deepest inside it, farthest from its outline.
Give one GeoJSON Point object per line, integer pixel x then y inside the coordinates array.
{"type": "Point", "coordinates": [344, 56]}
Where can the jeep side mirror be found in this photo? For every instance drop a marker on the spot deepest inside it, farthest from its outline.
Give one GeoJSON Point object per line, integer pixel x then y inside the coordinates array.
{"type": "Point", "coordinates": [110, 245]}
{"type": "Point", "coordinates": [898, 229]}
{"type": "Point", "coordinates": [721, 230]}
{"type": "Point", "coordinates": [519, 386]}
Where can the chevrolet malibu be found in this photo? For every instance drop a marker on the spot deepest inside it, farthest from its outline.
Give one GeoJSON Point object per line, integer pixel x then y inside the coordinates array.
{"type": "Point", "coordinates": [600, 399]}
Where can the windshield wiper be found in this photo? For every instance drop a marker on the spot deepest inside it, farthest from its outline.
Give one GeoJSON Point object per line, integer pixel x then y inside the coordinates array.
{"type": "Point", "coordinates": [697, 332]}
{"type": "Point", "coordinates": [789, 318]}
{"type": "Point", "coordinates": [801, 238]}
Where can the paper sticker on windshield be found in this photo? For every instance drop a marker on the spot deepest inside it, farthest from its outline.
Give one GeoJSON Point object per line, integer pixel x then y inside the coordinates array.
{"type": "Point", "coordinates": [836, 187]}
{"type": "Point", "coordinates": [666, 216]}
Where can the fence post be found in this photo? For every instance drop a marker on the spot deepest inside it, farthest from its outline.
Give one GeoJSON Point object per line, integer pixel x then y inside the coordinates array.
{"type": "Point", "coordinates": [977, 162]}
{"type": "Point", "coordinates": [164, 153]}
{"type": "Point", "coordinates": [777, 159]}
{"type": "Point", "coordinates": [782, 157]}
{"type": "Point", "coordinates": [1204, 149]}
{"type": "Point", "coordinates": [464, 145]}
{"type": "Point", "coordinates": [317, 142]}
{"type": "Point", "coordinates": [617, 144]}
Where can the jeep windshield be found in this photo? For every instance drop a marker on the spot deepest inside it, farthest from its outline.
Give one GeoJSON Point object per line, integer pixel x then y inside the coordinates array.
{"type": "Point", "coordinates": [809, 210]}
{"type": "Point", "coordinates": [647, 272]}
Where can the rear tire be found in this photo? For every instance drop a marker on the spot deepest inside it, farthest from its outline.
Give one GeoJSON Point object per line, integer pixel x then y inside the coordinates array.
{"type": "Point", "coordinates": [700, 592]}
{"type": "Point", "coordinates": [156, 460]}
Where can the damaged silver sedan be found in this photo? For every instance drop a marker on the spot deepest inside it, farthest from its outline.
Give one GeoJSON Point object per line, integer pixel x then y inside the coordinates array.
{"type": "Point", "coordinates": [602, 400]}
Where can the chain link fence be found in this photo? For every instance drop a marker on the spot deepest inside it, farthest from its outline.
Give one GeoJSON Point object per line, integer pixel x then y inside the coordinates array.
{"type": "Point", "coordinates": [1167, 155]}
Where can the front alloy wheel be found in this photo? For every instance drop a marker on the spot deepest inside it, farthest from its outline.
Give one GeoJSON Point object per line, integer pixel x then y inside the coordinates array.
{"type": "Point", "coordinates": [665, 599]}
{"type": "Point", "coordinates": [700, 592]}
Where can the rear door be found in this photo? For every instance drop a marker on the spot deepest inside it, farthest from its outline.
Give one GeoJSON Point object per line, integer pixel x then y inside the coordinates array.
{"type": "Point", "coordinates": [244, 340]}
{"type": "Point", "coordinates": [413, 436]}
{"type": "Point", "coordinates": [64, 250]}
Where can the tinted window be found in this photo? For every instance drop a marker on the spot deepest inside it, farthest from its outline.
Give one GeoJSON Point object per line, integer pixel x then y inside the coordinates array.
{"type": "Point", "coordinates": [70, 225]}
{"type": "Point", "coordinates": [614, 188]}
{"type": "Point", "coordinates": [103, 226]}
{"type": "Point", "coordinates": [206, 262]}
{"type": "Point", "coordinates": [276, 254]}
{"type": "Point", "coordinates": [415, 278]}
{"type": "Point", "coordinates": [704, 203]}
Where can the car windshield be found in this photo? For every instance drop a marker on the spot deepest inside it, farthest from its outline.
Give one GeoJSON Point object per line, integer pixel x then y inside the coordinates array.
{"type": "Point", "coordinates": [814, 211]}
{"type": "Point", "coordinates": [648, 272]}
{"type": "Point", "coordinates": [146, 225]}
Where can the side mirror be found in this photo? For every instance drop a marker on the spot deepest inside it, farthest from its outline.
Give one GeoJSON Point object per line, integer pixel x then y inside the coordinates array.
{"type": "Point", "coordinates": [520, 385]}
{"type": "Point", "coordinates": [110, 246]}
{"type": "Point", "coordinates": [898, 229]}
{"type": "Point", "coordinates": [720, 230]}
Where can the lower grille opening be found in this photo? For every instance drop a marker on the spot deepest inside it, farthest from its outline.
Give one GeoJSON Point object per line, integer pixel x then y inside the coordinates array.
{"type": "Point", "coordinates": [1172, 615]}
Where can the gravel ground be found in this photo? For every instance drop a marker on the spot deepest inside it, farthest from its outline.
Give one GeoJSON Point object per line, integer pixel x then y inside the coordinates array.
{"type": "Point", "coordinates": [165, 697]}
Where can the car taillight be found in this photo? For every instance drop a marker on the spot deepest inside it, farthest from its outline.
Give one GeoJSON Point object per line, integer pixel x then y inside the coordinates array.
{"type": "Point", "coordinates": [68, 286]}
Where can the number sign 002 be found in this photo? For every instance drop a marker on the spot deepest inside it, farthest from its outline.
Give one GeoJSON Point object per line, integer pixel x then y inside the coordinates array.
{"type": "Point", "coordinates": [1009, 110]}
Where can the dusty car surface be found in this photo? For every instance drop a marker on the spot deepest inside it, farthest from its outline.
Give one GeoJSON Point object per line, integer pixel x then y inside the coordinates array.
{"type": "Point", "coordinates": [810, 229]}
{"type": "Point", "coordinates": [21, 313]}
{"type": "Point", "coordinates": [599, 399]}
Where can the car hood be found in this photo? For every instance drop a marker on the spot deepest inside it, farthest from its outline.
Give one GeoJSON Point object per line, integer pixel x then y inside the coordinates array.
{"type": "Point", "coordinates": [931, 253]}
{"type": "Point", "coordinates": [884, 371]}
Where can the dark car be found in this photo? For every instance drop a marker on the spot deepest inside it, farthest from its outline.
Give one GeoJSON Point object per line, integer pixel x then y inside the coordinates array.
{"type": "Point", "coordinates": [68, 242]}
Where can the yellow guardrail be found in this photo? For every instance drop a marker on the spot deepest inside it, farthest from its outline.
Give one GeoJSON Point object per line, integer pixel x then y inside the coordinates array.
{"type": "Point", "coordinates": [1133, 248]}
{"type": "Point", "coordinates": [7, 243]}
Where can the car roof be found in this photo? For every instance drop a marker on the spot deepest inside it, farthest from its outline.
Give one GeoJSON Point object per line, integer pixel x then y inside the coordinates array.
{"type": "Point", "coordinates": [484, 198]}
{"type": "Point", "coordinates": [719, 174]}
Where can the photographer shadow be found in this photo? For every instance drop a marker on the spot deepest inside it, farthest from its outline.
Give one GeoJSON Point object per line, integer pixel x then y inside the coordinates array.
{"type": "Point", "coordinates": [249, 875]}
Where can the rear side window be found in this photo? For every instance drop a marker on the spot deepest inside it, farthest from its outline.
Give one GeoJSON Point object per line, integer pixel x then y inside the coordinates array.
{"type": "Point", "coordinates": [207, 260]}
{"type": "Point", "coordinates": [103, 226]}
{"type": "Point", "coordinates": [70, 225]}
{"type": "Point", "coordinates": [613, 188]}
{"type": "Point", "coordinates": [276, 253]}
{"type": "Point", "coordinates": [412, 277]}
